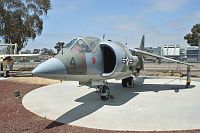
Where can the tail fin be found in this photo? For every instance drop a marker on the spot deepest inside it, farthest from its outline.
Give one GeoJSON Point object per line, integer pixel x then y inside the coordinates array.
{"type": "Point", "coordinates": [141, 58]}
{"type": "Point", "coordinates": [142, 43]}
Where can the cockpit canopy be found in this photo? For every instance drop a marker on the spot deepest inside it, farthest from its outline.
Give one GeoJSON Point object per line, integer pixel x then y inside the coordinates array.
{"type": "Point", "coordinates": [87, 44]}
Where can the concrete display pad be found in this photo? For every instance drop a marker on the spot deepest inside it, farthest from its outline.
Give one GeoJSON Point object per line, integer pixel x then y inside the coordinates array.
{"type": "Point", "coordinates": [153, 104]}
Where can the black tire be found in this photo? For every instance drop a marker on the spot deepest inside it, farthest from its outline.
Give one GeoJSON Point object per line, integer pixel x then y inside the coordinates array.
{"type": "Point", "coordinates": [130, 81]}
{"type": "Point", "coordinates": [124, 82]}
{"type": "Point", "coordinates": [105, 90]}
{"type": "Point", "coordinates": [127, 81]}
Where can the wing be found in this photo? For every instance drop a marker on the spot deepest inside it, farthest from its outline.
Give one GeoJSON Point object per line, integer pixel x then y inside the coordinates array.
{"type": "Point", "coordinates": [19, 55]}
{"type": "Point", "coordinates": [155, 57]}
{"type": "Point", "coordinates": [8, 56]}
{"type": "Point", "coordinates": [23, 55]}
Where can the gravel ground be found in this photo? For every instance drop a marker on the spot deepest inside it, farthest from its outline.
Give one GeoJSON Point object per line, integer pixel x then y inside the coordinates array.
{"type": "Point", "coordinates": [33, 80]}
{"type": "Point", "coordinates": [15, 118]}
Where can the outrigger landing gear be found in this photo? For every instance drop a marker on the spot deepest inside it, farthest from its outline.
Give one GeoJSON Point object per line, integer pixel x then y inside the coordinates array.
{"type": "Point", "coordinates": [188, 77]}
{"type": "Point", "coordinates": [104, 92]}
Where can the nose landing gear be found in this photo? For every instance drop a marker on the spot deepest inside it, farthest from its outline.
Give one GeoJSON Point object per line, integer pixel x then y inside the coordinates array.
{"type": "Point", "coordinates": [104, 92]}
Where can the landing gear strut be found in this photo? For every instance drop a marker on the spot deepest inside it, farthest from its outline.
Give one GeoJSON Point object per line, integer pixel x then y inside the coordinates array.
{"type": "Point", "coordinates": [104, 92]}
{"type": "Point", "coordinates": [188, 77]}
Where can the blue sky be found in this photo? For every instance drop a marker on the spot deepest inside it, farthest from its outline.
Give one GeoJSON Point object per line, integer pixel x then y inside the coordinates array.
{"type": "Point", "coordinates": [162, 21]}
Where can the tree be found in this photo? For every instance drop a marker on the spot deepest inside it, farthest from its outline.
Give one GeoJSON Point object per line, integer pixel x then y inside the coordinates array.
{"type": "Point", "coordinates": [51, 52]}
{"type": "Point", "coordinates": [26, 52]}
{"type": "Point", "coordinates": [21, 20]}
{"type": "Point", "coordinates": [194, 37]}
{"type": "Point", "coordinates": [36, 51]}
{"type": "Point", "coordinates": [46, 51]}
{"type": "Point", "coordinates": [59, 46]}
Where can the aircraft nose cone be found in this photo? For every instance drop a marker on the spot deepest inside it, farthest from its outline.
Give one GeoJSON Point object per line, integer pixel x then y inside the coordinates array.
{"type": "Point", "coordinates": [52, 68]}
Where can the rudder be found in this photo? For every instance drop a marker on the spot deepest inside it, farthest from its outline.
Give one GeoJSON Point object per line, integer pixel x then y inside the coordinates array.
{"type": "Point", "coordinates": [142, 43]}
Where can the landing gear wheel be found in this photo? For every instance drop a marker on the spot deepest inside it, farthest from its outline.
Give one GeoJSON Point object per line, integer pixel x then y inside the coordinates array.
{"type": "Point", "coordinates": [124, 82]}
{"type": "Point", "coordinates": [128, 82]}
{"type": "Point", "coordinates": [105, 93]}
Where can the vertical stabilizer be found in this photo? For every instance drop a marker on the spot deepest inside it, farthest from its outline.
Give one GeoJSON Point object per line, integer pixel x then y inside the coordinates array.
{"type": "Point", "coordinates": [141, 59]}
{"type": "Point", "coordinates": [142, 43]}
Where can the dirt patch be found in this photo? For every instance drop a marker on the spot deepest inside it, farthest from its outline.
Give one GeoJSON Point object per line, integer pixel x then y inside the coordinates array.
{"type": "Point", "coordinates": [33, 80]}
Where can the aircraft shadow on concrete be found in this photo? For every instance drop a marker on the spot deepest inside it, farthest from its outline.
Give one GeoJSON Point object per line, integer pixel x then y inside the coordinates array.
{"type": "Point", "coordinates": [91, 102]}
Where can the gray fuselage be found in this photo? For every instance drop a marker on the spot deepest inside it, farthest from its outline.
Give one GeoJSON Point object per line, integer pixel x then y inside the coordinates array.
{"type": "Point", "coordinates": [80, 62]}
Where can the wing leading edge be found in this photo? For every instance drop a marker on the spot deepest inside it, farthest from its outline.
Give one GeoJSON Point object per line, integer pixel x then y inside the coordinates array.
{"type": "Point", "coordinates": [4, 57]}
{"type": "Point", "coordinates": [155, 57]}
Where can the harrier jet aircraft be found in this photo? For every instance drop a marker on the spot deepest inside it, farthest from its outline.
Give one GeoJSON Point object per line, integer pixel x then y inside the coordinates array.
{"type": "Point", "coordinates": [92, 61]}
{"type": "Point", "coordinates": [7, 60]}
